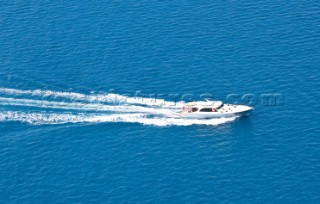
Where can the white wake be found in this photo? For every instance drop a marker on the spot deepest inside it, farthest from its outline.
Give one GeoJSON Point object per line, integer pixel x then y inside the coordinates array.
{"type": "Point", "coordinates": [54, 107]}
{"type": "Point", "coordinates": [56, 118]}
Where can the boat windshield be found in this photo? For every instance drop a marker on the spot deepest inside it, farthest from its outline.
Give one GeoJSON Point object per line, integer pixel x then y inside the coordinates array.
{"type": "Point", "coordinates": [217, 108]}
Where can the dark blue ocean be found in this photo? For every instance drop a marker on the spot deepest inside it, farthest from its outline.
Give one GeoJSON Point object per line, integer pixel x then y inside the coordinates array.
{"type": "Point", "coordinates": [81, 84]}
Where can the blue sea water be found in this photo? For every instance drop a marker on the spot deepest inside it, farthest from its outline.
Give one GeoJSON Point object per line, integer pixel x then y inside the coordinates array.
{"type": "Point", "coordinates": [64, 138]}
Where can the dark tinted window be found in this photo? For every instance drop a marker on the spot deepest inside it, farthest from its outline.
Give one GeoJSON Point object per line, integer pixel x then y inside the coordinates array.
{"type": "Point", "coordinates": [206, 110]}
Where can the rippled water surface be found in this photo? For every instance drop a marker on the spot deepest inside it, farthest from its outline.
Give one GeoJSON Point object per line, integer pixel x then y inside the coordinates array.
{"type": "Point", "coordinates": [73, 131]}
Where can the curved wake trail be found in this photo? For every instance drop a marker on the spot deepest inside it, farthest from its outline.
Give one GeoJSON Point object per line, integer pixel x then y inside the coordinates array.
{"type": "Point", "coordinates": [53, 107]}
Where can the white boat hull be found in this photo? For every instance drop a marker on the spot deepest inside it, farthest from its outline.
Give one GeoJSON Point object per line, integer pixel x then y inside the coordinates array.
{"type": "Point", "coordinates": [227, 111]}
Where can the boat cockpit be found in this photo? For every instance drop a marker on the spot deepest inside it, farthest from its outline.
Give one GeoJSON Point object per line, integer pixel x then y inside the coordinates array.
{"type": "Point", "coordinates": [196, 107]}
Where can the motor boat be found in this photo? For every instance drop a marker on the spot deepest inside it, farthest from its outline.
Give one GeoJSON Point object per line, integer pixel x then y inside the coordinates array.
{"type": "Point", "coordinates": [213, 109]}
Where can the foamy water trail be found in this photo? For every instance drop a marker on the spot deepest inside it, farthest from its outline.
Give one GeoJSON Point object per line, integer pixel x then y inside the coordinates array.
{"type": "Point", "coordinates": [38, 118]}
{"type": "Point", "coordinates": [81, 106]}
{"type": "Point", "coordinates": [106, 98]}
{"type": "Point", "coordinates": [54, 107]}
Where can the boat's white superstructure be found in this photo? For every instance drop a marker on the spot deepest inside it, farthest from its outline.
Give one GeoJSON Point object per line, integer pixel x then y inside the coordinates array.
{"type": "Point", "coordinates": [213, 109]}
